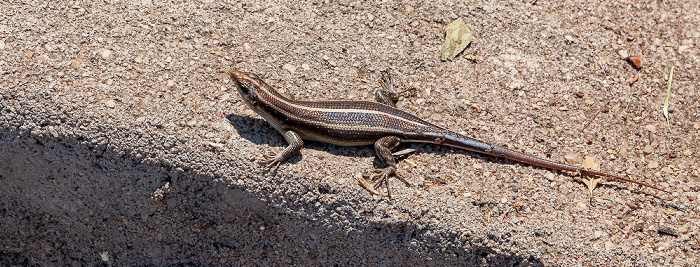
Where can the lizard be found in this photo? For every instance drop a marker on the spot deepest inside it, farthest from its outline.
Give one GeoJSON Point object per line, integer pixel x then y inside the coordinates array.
{"type": "Point", "coordinates": [355, 123]}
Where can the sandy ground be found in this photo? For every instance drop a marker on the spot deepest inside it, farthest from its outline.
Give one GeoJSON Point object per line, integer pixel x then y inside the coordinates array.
{"type": "Point", "coordinates": [123, 142]}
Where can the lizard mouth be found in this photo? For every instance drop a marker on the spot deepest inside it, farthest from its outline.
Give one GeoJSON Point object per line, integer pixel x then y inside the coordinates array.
{"type": "Point", "coordinates": [238, 78]}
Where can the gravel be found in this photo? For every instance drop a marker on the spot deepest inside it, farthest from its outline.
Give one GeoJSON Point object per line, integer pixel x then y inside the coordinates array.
{"type": "Point", "coordinates": [123, 142]}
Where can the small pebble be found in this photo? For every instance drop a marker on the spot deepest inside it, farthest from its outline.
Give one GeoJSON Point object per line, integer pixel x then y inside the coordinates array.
{"type": "Point", "coordinates": [598, 234]}
{"type": "Point", "coordinates": [609, 245]}
{"type": "Point", "coordinates": [110, 103]}
{"type": "Point", "coordinates": [288, 67]}
{"type": "Point", "coordinates": [623, 53]}
{"type": "Point", "coordinates": [569, 39]}
{"type": "Point", "coordinates": [653, 164]}
{"type": "Point", "coordinates": [650, 128]}
{"type": "Point", "coordinates": [105, 53]}
{"type": "Point", "coordinates": [665, 230]}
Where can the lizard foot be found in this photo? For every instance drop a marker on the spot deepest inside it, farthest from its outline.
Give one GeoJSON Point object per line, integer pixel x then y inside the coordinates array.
{"type": "Point", "coordinates": [272, 163]}
{"type": "Point", "coordinates": [382, 177]}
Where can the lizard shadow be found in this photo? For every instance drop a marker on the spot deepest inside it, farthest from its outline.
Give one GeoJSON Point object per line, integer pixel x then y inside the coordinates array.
{"type": "Point", "coordinates": [260, 132]}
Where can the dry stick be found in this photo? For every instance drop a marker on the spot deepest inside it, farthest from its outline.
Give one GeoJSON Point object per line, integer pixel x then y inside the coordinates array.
{"type": "Point", "coordinates": [612, 96]}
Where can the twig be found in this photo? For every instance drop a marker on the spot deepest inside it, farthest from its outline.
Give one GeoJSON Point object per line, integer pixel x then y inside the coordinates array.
{"type": "Point", "coordinates": [668, 95]}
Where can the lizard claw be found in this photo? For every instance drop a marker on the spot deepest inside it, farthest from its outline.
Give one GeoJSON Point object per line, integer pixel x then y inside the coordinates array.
{"type": "Point", "coordinates": [382, 177]}
{"type": "Point", "coordinates": [272, 163]}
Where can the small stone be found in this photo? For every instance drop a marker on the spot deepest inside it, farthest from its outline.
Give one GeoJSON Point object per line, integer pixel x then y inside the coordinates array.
{"type": "Point", "coordinates": [623, 53]}
{"type": "Point", "coordinates": [598, 234]}
{"type": "Point", "coordinates": [2, 44]}
{"type": "Point", "coordinates": [683, 230]}
{"type": "Point", "coordinates": [105, 53]}
{"type": "Point", "coordinates": [582, 206]}
{"type": "Point", "coordinates": [325, 57]}
{"type": "Point", "coordinates": [648, 149]}
{"type": "Point", "coordinates": [651, 128]}
{"type": "Point", "coordinates": [305, 67]}
{"type": "Point", "coordinates": [171, 83]}
{"type": "Point", "coordinates": [110, 103]}
{"type": "Point", "coordinates": [609, 245]}
{"type": "Point", "coordinates": [138, 59]}
{"type": "Point", "coordinates": [104, 255]}
{"type": "Point", "coordinates": [288, 67]}
{"type": "Point", "coordinates": [569, 39]}
{"type": "Point", "coordinates": [653, 164]}
{"type": "Point", "coordinates": [76, 63]}
{"type": "Point", "coordinates": [636, 242]}
{"type": "Point", "coordinates": [43, 59]}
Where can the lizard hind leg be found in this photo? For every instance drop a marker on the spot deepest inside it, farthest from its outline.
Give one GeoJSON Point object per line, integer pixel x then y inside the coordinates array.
{"type": "Point", "coordinates": [383, 148]}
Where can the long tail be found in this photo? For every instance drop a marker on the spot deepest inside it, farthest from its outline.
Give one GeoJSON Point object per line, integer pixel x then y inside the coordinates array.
{"type": "Point", "coordinates": [528, 159]}
{"type": "Point", "coordinates": [479, 146]}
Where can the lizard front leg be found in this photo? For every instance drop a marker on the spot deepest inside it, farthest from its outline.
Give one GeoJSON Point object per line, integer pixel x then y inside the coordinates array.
{"type": "Point", "coordinates": [295, 144]}
{"type": "Point", "coordinates": [383, 148]}
{"type": "Point", "coordinates": [387, 94]}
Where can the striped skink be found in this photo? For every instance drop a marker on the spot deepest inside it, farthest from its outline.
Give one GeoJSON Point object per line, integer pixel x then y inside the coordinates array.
{"type": "Point", "coordinates": [352, 123]}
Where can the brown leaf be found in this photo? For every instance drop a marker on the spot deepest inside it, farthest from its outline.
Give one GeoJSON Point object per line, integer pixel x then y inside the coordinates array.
{"type": "Point", "coordinates": [636, 61]}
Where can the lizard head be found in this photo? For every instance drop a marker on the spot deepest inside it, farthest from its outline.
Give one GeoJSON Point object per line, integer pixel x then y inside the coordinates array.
{"type": "Point", "coordinates": [248, 85]}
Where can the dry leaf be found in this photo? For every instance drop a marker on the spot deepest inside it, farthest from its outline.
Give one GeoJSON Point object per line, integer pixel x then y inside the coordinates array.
{"type": "Point", "coordinates": [591, 183]}
{"type": "Point", "coordinates": [457, 37]}
{"type": "Point", "coordinates": [589, 163]}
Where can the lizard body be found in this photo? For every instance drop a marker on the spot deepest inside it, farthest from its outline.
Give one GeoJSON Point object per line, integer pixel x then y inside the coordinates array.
{"type": "Point", "coordinates": [351, 123]}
